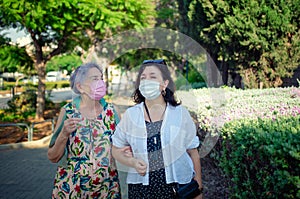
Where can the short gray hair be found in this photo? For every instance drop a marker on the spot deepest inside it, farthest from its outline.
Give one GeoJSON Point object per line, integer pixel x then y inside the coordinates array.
{"type": "Point", "coordinates": [79, 75]}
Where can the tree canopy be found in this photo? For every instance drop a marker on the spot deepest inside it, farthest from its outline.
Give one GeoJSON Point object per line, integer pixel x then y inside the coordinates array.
{"type": "Point", "coordinates": [66, 62]}
{"type": "Point", "coordinates": [257, 39]}
{"type": "Point", "coordinates": [57, 27]}
{"type": "Point", "coordinates": [13, 58]}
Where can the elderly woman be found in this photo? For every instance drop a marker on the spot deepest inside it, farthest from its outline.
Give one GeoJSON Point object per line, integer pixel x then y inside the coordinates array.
{"type": "Point", "coordinates": [162, 137]}
{"type": "Point", "coordinates": [81, 142]}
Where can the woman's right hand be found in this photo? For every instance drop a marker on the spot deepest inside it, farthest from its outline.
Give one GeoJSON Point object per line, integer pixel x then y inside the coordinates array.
{"type": "Point", "coordinates": [140, 166]}
{"type": "Point", "coordinates": [70, 125]}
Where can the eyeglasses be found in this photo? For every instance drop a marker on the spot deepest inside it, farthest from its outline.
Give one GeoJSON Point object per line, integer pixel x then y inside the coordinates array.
{"type": "Point", "coordinates": [156, 61]}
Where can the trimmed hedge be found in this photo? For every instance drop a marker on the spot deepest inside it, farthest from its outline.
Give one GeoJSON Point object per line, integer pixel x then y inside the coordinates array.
{"type": "Point", "coordinates": [262, 157]}
{"type": "Point", "coordinates": [49, 85]}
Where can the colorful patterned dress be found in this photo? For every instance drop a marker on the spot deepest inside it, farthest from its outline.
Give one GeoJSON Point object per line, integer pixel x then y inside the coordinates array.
{"type": "Point", "coordinates": [90, 171]}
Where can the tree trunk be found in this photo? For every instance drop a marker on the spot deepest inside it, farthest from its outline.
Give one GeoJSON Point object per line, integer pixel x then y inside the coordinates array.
{"type": "Point", "coordinates": [214, 76]}
{"type": "Point", "coordinates": [225, 69]}
{"type": "Point", "coordinates": [183, 23]}
{"type": "Point", "coordinates": [237, 81]}
{"type": "Point", "coordinates": [40, 106]}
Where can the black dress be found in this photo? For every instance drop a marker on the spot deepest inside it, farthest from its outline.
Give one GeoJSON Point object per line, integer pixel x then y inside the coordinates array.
{"type": "Point", "coordinates": [157, 188]}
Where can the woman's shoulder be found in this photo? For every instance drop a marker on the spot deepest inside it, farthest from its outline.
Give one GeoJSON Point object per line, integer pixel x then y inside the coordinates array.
{"type": "Point", "coordinates": [179, 108]}
{"type": "Point", "coordinates": [133, 109]}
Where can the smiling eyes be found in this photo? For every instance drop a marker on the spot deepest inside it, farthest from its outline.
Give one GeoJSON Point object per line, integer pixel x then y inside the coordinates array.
{"type": "Point", "coordinates": [96, 78]}
{"type": "Point", "coordinates": [151, 77]}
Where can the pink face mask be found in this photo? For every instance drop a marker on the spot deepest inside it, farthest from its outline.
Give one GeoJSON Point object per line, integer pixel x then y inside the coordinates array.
{"type": "Point", "coordinates": [98, 90]}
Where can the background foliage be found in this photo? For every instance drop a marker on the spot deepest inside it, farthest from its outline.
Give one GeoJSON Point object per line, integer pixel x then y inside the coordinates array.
{"type": "Point", "coordinates": [258, 40]}
{"type": "Point", "coordinates": [261, 157]}
{"type": "Point", "coordinates": [66, 62]}
{"type": "Point", "coordinates": [253, 136]}
{"type": "Point", "coordinates": [58, 27]}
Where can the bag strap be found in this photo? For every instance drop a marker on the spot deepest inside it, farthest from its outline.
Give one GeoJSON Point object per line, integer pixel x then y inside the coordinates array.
{"type": "Point", "coordinates": [58, 130]}
{"type": "Point", "coordinates": [147, 111]}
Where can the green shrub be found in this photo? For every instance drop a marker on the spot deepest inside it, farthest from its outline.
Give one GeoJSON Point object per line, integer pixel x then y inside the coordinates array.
{"type": "Point", "coordinates": [64, 84]}
{"type": "Point", "coordinates": [8, 85]}
{"type": "Point", "coordinates": [262, 157]}
{"type": "Point", "coordinates": [9, 116]}
{"type": "Point", "coordinates": [49, 85]}
{"type": "Point", "coordinates": [25, 102]}
{"type": "Point", "coordinates": [58, 84]}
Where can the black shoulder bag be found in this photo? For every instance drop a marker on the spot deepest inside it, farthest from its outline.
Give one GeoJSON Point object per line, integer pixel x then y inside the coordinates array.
{"type": "Point", "coordinates": [187, 191]}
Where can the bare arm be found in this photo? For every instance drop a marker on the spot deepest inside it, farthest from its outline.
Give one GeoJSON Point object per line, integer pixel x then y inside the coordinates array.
{"type": "Point", "coordinates": [197, 165]}
{"type": "Point", "coordinates": [121, 155]}
{"type": "Point", "coordinates": [57, 150]}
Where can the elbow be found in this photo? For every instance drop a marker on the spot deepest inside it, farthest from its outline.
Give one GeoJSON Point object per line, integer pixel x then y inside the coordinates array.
{"type": "Point", "coordinates": [53, 158]}
{"type": "Point", "coordinates": [193, 153]}
{"type": "Point", "coordinates": [114, 151]}
{"type": "Point", "coordinates": [117, 153]}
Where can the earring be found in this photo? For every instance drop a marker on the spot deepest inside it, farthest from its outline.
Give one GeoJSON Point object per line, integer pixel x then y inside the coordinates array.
{"type": "Point", "coordinates": [163, 92]}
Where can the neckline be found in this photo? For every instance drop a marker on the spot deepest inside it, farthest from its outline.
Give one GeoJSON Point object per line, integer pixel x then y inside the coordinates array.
{"type": "Point", "coordinates": [147, 111]}
{"type": "Point", "coordinates": [147, 122]}
{"type": "Point", "coordinates": [76, 102]}
{"type": "Point", "coordinates": [76, 105]}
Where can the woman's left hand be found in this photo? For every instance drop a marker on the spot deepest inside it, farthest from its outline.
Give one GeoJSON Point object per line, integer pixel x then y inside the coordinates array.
{"type": "Point", "coordinates": [198, 179]}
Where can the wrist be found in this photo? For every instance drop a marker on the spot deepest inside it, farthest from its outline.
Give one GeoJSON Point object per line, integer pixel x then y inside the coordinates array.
{"type": "Point", "coordinates": [64, 136]}
{"type": "Point", "coordinates": [201, 190]}
{"type": "Point", "coordinates": [132, 162]}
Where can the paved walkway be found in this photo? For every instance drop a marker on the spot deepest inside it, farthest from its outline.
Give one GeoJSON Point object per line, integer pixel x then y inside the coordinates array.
{"type": "Point", "coordinates": [26, 173]}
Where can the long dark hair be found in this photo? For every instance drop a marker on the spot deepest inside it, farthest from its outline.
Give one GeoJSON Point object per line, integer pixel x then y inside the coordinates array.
{"type": "Point", "coordinates": [169, 95]}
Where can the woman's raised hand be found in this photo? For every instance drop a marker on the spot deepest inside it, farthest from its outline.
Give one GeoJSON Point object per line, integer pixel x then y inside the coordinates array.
{"type": "Point", "coordinates": [70, 125]}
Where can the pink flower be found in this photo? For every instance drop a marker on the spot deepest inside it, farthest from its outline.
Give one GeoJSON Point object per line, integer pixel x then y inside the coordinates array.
{"type": "Point", "coordinates": [95, 133]}
{"type": "Point", "coordinates": [98, 149]}
{"type": "Point", "coordinates": [77, 188]}
{"type": "Point", "coordinates": [109, 113]}
{"type": "Point", "coordinates": [77, 140]}
{"type": "Point", "coordinates": [62, 172]}
{"type": "Point", "coordinates": [96, 181]}
{"type": "Point", "coordinates": [95, 195]}
{"type": "Point", "coordinates": [112, 126]}
{"type": "Point", "coordinates": [113, 173]}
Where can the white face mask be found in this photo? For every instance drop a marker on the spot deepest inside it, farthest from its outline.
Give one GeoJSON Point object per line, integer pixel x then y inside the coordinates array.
{"type": "Point", "coordinates": [149, 89]}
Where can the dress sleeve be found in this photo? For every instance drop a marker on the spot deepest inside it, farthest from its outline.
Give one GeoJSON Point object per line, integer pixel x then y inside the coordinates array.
{"type": "Point", "coordinates": [116, 115]}
{"type": "Point", "coordinates": [58, 129]}
{"type": "Point", "coordinates": [63, 161]}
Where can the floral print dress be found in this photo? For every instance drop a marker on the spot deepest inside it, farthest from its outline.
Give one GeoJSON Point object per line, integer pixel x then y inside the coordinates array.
{"type": "Point", "coordinates": [90, 171]}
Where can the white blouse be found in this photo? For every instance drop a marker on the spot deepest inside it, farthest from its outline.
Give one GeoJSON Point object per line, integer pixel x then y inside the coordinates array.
{"type": "Point", "coordinates": [178, 133]}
